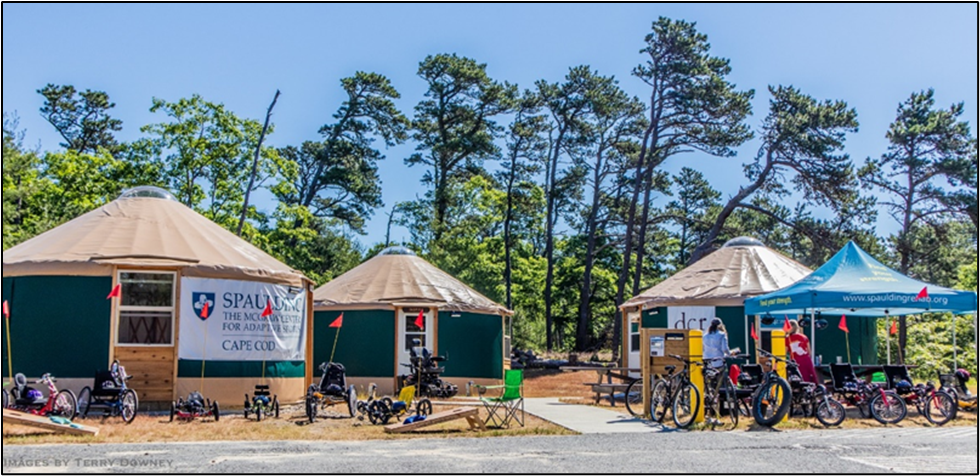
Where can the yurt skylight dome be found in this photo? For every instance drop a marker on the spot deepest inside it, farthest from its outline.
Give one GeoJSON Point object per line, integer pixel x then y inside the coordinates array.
{"type": "Point", "coordinates": [743, 241]}
{"type": "Point", "coordinates": [147, 191]}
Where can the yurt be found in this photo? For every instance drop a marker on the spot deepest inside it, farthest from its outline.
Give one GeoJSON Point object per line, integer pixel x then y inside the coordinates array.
{"type": "Point", "coordinates": [717, 286]}
{"type": "Point", "coordinates": [182, 303]}
{"type": "Point", "coordinates": [382, 301]}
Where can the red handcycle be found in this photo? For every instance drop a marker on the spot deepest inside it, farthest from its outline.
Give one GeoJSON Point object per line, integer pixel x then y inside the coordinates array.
{"type": "Point", "coordinates": [59, 403]}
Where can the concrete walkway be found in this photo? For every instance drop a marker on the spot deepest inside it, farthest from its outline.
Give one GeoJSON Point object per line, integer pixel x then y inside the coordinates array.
{"type": "Point", "coordinates": [587, 420]}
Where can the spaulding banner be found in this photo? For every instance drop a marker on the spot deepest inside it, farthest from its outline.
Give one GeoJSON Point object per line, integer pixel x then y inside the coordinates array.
{"type": "Point", "coordinates": [222, 320]}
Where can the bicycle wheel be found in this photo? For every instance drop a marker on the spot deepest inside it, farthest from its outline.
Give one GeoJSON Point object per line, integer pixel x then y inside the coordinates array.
{"type": "Point", "coordinates": [888, 409]}
{"type": "Point", "coordinates": [216, 412]}
{"type": "Point", "coordinates": [830, 413]}
{"type": "Point", "coordinates": [728, 406]}
{"type": "Point", "coordinates": [424, 407]}
{"type": "Point", "coordinates": [686, 406]}
{"type": "Point", "coordinates": [84, 402]}
{"type": "Point", "coordinates": [66, 405]}
{"type": "Point", "coordinates": [129, 408]}
{"type": "Point", "coordinates": [659, 401]}
{"type": "Point", "coordinates": [940, 409]}
{"type": "Point", "coordinates": [772, 403]}
{"type": "Point", "coordinates": [634, 398]}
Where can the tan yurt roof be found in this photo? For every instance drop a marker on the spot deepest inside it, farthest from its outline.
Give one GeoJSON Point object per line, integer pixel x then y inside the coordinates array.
{"type": "Point", "coordinates": [398, 278]}
{"type": "Point", "coordinates": [741, 269]}
{"type": "Point", "coordinates": [144, 228]}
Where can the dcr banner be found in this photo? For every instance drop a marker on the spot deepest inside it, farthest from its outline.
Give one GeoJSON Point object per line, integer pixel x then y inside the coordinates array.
{"type": "Point", "coordinates": [222, 320]}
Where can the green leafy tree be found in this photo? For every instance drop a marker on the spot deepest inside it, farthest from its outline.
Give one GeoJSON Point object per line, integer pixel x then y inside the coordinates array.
{"type": "Point", "coordinates": [82, 119]}
{"type": "Point", "coordinates": [694, 199]}
{"type": "Point", "coordinates": [611, 133]}
{"type": "Point", "coordinates": [526, 148]}
{"type": "Point", "coordinates": [454, 125]}
{"type": "Point", "coordinates": [568, 104]}
{"type": "Point", "coordinates": [206, 152]}
{"type": "Point", "coordinates": [802, 140]}
{"type": "Point", "coordinates": [693, 107]}
{"type": "Point", "coordinates": [928, 146]}
{"type": "Point", "coordinates": [338, 178]}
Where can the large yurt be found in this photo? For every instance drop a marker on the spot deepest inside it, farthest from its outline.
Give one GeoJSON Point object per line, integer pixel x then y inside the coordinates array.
{"type": "Point", "coordinates": [182, 303]}
{"type": "Point", "coordinates": [717, 286]}
{"type": "Point", "coordinates": [382, 301]}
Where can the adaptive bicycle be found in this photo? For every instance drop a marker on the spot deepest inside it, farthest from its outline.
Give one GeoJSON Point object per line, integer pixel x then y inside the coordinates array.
{"type": "Point", "coordinates": [111, 395]}
{"type": "Point", "coordinates": [25, 399]}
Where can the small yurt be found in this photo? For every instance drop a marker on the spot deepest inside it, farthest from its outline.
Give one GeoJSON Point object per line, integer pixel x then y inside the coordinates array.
{"type": "Point", "coordinates": [182, 303]}
{"type": "Point", "coordinates": [715, 286]}
{"type": "Point", "coordinates": [382, 301]}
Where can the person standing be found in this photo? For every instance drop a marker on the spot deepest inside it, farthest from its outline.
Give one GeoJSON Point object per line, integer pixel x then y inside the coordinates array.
{"type": "Point", "coordinates": [799, 346]}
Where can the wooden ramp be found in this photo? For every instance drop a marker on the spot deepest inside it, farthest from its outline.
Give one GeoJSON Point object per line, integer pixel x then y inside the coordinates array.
{"type": "Point", "coordinates": [472, 416]}
{"type": "Point", "coordinates": [11, 417]}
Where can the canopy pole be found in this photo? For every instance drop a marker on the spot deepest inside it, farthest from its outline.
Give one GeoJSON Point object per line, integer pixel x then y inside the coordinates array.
{"type": "Point", "coordinates": [813, 337]}
{"type": "Point", "coordinates": [747, 332]}
{"type": "Point", "coordinates": [888, 335]}
{"type": "Point", "coordinates": [955, 363]}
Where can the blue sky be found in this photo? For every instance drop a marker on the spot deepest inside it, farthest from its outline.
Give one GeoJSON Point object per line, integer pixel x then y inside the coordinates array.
{"type": "Point", "coordinates": [872, 56]}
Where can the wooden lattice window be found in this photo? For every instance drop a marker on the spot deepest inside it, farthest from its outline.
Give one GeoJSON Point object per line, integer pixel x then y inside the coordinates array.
{"type": "Point", "coordinates": [146, 311]}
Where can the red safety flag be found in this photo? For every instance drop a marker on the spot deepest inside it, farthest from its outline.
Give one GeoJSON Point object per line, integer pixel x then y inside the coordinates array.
{"type": "Point", "coordinates": [924, 294]}
{"type": "Point", "coordinates": [755, 336]}
{"type": "Point", "coordinates": [268, 308]}
{"type": "Point", "coordinates": [206, 310]}
{"type": "Point", "coordinates": [337, 324]}
{"type": "Point", "coordinates": [420, 321]}
{"type": "Point", "coordinates": [787, 327]}
{"type": "Point", "coordinates": [116, 292]}
{"type": "Point", "coordinates": [843, 325]}
{"type": "Point", "coordinates": [894, 330]}
{"type": "Point", "coordinates": [6, 309]}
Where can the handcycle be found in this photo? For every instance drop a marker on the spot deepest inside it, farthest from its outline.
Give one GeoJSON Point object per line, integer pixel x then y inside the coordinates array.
{"type": "Point", "coordinates": [380, 412]}
{"type": "Point", "coordinates": [196, 406]}
{"type": "Point", "coordinates": [675, 393]}
{"type": "Point", "coordinates": [333, 390]}
{"type": "Point", "coordinates": [871, 400]}
{"type": "Point", "coordinates": [111, 395]}
{"type": "Point", "coordinates": [955, 385]}
{"type": "Point", "coordinates": [936, 405]}
{"type": "Point", "coordinates": [58, 403]}
{"type": "Point", "coordinates": [810, 400]}
{"type": "Point", "coordinates": [261, 404]}
{"type": "Point", "coordinates": [426, 374]}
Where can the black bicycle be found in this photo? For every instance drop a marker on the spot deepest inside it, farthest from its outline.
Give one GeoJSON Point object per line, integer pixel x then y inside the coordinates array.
{"type": "Point", "coordinates": [676, 393]}
{"type": "Point", "coordinates": [634, 398]}
{"type": "Point", "coordinates": [774, 399]}
{"type": "Point", "coordinates": [721, 403]}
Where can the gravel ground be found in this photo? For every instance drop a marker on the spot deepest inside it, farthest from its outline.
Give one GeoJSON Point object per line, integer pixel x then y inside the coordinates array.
{"type": "Point", "coordinates": [951, 450]}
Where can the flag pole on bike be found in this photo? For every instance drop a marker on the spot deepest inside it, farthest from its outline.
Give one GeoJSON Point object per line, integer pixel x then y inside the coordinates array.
{"type": "Point", "coordinates": [337, 324]}
{"type": "Point", "coordinates": [10, 360]}
{"type": "Point", "coordinates": [847, 335]}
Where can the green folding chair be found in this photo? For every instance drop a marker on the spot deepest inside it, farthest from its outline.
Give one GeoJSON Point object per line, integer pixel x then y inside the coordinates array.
{"type": "Point", "coordinates": [504, 409]}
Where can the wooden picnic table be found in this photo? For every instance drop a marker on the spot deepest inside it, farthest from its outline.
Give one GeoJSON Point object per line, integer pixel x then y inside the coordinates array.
{"type": "Point", "coordinates": [607, 373]}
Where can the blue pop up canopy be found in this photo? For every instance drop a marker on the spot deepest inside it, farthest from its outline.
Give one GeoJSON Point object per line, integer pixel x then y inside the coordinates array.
{"type": "Point", "coordinates": [853, 283]}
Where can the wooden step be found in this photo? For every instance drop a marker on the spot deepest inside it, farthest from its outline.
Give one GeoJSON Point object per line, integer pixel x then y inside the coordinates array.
{"type": "Point", "coordinates": [472, 416]}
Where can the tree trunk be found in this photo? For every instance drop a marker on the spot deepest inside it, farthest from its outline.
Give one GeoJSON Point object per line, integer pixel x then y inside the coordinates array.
{"type": "Point", "coordinates": [583, 337]}
{"type": "Point", "coordinates": [255, 164]}
{"type": "Point", "coordinates": [549, 247]}
{"type": "Point", "coordinates": [508, 217]}
{"type": "Point", "coordinates": [644, 223]}
{"type": "Point", "coordinates": [628, 247]}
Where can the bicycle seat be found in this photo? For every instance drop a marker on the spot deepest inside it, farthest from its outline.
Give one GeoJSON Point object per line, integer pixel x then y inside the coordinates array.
{"type": "Point", "coordinates": [670, 368]}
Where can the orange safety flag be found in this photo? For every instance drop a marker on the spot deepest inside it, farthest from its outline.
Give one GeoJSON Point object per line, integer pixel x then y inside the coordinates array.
{"type": "Point", "coordinates": [6, 309]}
{"type": "Point", "coordinates": [755, 336]}
{"type": "Point", "coordinates": [420, 321]}
{"type": "Point", "coordinates": [787, 327]}
{"type": "Point", "coordinates": [206, 310]}
{"type": "Point", "coordinates": [894, 330]}
{"type": "Point", "coordinates": [337, 324]}
{"type": "Point", "coordinates": [843, 324]}
{"type": "Point", "coordinates": [268, 308]}
{"type": "Point", "coordinates": [116, 292]}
